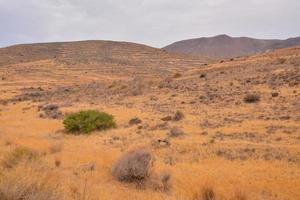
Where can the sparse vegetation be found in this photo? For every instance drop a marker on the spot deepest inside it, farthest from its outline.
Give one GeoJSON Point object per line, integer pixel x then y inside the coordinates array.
{"type": "Point", "coordinates": [88, 121]}
{"type": "Point", "coordinates": [134, 166]}
{"type": "Point", "coordinates": [217, 131]}
{"type": "Point", "coordinates": [51, 111]}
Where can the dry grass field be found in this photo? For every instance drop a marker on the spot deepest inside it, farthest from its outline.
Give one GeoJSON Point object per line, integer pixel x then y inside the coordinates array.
{"type": "Point", "coordinates": [225, 130]}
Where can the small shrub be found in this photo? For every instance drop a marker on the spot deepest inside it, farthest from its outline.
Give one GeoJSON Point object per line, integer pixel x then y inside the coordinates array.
{"type": "Point", "coordinates": [251, 98]}
{"type": "Point", "coordinates": [88, 121]}
{"type": "Point", "coordinates": [18, 155]}
{"type": "Point", "coordinates": [176, 132]}
{"type": "Point", "coordinates": [178, 116]}
{"type": "Point", "coordinates": [134, 166]}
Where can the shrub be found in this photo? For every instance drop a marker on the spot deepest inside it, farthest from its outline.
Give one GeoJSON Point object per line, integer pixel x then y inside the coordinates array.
{"type": "Point", "coordinates": [88, 121]}
{"type": "Point", "coordinates": [251, 98]}
{"type": "Point", "coordinates": [134, 166]}
{"type": "Point", "coordinates": [18, 155]}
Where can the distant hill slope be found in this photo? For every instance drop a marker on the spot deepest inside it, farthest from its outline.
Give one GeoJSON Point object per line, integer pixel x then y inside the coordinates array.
{"type": "Point", "coordinates": [83, 52]}
{"type": "Point", "coordinates": [224, 46]}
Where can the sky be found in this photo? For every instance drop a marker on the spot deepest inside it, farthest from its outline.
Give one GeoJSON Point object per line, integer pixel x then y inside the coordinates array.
{"type": "Point", "coordinates": [153, 22]}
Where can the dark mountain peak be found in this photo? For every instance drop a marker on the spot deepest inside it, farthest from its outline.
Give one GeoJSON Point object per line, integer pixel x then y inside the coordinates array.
{"type": "Point", "coordinates": [222, 36]}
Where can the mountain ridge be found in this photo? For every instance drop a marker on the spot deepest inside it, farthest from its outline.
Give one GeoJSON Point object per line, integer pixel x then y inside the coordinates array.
{"type": "Point", "coordinates": [224, 46]}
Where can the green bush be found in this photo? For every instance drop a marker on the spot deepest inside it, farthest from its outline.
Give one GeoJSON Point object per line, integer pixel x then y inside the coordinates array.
{"type": "Point", "coordinates": [88, 121]}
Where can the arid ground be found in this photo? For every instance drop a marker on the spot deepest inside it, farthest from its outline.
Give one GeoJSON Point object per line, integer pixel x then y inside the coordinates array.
{"type": "Point", "coordinates": [239, 136]}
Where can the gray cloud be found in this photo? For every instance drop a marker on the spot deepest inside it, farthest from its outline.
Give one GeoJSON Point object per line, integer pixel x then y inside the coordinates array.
{"type": "Point", "coordinates": [152, 22]}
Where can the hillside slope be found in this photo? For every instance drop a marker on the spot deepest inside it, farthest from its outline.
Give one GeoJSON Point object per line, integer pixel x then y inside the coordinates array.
{"type": "Point", "coordinates": [86, 53]}
{"type": "Point", "coordinates": [224, 46]}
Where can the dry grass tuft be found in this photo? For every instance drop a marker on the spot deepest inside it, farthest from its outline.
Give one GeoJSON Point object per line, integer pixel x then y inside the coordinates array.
{"type": "Point", "coordinates": [56, 147]}
{"type": "Point", "coordinates": [239, 195]}
{"type": "Point", "coordinates": [18, 155]}
{"type": "Point", "coordinates": [134, 166]}
{"type": "Point", "coordinates": [29, 182]}
{"type": "Point", "coordinates": [206, 193]}
{"type": "Point", "coordinates": [161, 182]}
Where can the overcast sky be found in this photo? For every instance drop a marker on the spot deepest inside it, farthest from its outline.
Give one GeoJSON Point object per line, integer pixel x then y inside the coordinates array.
{"type": "Point", "coordinates": [152, 22]}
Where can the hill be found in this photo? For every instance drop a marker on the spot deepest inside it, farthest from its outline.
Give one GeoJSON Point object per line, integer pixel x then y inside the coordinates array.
{"type": "Point", "coordinates": [224, 46]}
{"type": "Point", "coordinates": [86, 53]}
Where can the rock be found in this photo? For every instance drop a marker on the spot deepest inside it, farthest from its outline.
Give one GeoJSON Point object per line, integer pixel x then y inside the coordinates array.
{"type": "Point", "coordinates": [134, 121]}
{"type": "Point", "coordinates": [275, 94]}
{"type": "Point", "coordinates": [161, 143]}
{"type": "Point", "coordinates": [167, 118]}
{"type": "Point", "coordinates": [202, 75]}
